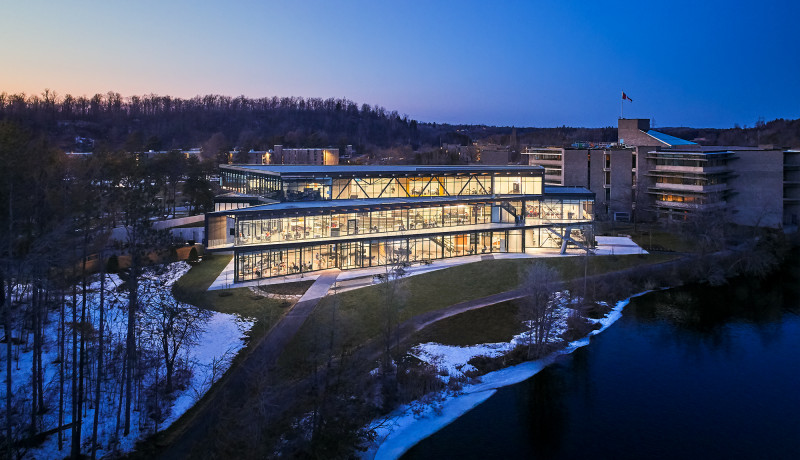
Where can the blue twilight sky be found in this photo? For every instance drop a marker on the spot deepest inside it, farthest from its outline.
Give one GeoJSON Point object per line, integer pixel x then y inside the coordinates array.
{"type": "Point", "coordinates": [529, 63]}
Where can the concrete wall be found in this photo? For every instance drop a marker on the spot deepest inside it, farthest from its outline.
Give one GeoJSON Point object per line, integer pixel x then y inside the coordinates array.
{"type": "Point", "coordinates": [621, 181]}
{"type": "Point", "coordinates": [169, 223]}
{"type": "Point", "coordinates": [121, 233]}
{"type": "Point", "coordinates": [575, 168]}
{"type": "Point", "coordinates": [758, 188]}
{"type": "Point", "coordinates": [188, 233]}
{"type": "Point", "coordinates": [490, 156]}
{"type": "Point", "coordinates": [631, 131]}
{"type": "Point", "coordinates": [597, 179]}
{"type": "Point", "coordinates": [304, 156]}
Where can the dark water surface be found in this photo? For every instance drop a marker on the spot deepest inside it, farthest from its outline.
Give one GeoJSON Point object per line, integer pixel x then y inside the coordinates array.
{"type": "Point", "coordinates": [696, 372]}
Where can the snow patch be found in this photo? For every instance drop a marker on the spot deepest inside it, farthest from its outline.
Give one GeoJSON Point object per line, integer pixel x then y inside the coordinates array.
{"type": "Point", "coordinates": [410, 424]}
{"type": "Point", "coordinates": [209, 357]}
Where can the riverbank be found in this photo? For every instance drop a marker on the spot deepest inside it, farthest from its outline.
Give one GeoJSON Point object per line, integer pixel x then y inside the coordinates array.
{"type": "Point", "coordinates": [411, 423]}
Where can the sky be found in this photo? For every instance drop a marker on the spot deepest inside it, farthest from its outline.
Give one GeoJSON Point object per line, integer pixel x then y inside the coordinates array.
{"type": "Point", "coordinates": [693, 63]}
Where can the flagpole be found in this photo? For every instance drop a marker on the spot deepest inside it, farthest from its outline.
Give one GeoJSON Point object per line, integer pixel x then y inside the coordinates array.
{"type": "Point", "coordinates": [621, 102]}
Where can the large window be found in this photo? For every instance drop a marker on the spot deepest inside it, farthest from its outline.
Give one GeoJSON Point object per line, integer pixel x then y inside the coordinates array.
{"type": "Point", "coordinates": [267, 263]}
{"type": "Point", "coordinates": [253, 231]}
{"type": "Point", "coordinates": [549, 210]}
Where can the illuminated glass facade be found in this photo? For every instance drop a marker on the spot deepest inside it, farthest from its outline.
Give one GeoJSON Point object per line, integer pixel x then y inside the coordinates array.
{"type": "Point", "coordinates": [357, 217]}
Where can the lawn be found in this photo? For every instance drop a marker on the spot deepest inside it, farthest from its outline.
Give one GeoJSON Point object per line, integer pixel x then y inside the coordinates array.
{"type": "Point", "coordinates": [192, 288]}
{"type": "Point", "coordinates": [491, 324]}
{"type": "Point", "coordinates": [667, 241]}
{"type": "Point", "coordinates": [360, 317]}
{"type": "Point", "coordinates": [292, 288]}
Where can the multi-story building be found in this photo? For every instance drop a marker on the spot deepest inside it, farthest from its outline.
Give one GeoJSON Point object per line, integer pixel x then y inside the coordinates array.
{"type": "Point", "coordinates": [654, 174]}
{"type": "Point", "coordinates": [608, 172]}
{"type": "Point", "coordinates": [304, 156]}
{"type": "Point", "coordinates": [366, 216]}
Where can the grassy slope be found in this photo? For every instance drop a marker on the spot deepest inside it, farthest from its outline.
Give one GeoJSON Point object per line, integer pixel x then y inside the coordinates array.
{"type": "Point", "coordinates": [193, 288]}
{"type": "Point", "coordinates": [360, 314]}
{"type": "Point", "coordinates": [495, 323]}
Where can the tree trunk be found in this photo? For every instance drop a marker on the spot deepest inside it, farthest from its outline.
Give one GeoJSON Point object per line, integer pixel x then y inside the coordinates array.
{"type": "Point", "coordinates": [40, 368]}
{"type": "Point", "coordinates": [62, 340]}
{"type": "Point", "coordinates": [5, 302]}
{"type": "Point", "coordinates": [130, 352]}
{"type": "Point", "coordinates": [99, 376]}
{"type": "Point", "coordinates": [75, 450]}
{"type": "Point", "coordinates": [34, 386]}
{"type": "Point", "coordinates": [82, 352]}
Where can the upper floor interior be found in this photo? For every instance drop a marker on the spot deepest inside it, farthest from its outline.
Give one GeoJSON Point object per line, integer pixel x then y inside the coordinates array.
{"type": "Point", "coordinates": [304, 183]}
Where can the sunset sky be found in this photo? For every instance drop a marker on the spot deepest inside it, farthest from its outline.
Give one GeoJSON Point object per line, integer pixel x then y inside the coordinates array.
{"type": "Point", "coordinates": [532, 63]}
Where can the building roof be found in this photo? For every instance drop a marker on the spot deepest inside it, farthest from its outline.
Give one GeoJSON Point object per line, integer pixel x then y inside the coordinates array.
{"type": "Point", "coordinates": [382, 169]}
{"type": "Point", "coordinates": [667, 139]}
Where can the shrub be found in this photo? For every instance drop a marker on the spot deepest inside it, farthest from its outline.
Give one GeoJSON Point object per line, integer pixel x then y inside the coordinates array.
{"type": "Point", "coordinates": [193, 255]}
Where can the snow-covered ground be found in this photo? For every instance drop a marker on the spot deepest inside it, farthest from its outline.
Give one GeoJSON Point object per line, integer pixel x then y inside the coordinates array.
{"type": "Point", "coordinates": [454, 360]}
{"type": "Point", "coordinates": [204, 360]}
{"type": "Point", "coordinates": [412, 423]}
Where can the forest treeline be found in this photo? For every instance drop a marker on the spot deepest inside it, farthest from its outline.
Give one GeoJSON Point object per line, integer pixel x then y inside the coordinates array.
{"type": "Point", "coordinates": [215, 122]}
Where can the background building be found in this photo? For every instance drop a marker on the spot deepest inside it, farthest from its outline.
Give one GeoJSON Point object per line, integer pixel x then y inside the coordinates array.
{"type": "Point", "coordinates": [650, 174]}
{"type": "Point", "coordinates": [304, 156]}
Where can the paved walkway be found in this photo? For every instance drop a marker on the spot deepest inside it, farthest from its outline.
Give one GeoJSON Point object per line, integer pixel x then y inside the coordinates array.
{"type": "Point", "coordinates": [235, 390]}
{"type": "Point", "coordinates": [617, 245]}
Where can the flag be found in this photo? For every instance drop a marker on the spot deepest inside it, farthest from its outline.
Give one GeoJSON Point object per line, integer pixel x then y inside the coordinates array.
{"type": "Point", "coordinates": [625, 96]}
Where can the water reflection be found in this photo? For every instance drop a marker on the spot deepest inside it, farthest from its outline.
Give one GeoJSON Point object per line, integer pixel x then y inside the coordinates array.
{"type": "Point", "coordinates": [693, 372]}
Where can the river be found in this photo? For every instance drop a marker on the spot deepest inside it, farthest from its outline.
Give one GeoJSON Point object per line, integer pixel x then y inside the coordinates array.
{"type": "Point", "coordinates": [695, 372]}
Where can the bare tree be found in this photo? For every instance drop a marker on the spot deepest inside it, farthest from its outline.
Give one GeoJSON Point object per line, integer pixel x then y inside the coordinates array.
{"type": "Point", "coordinates": [539, 283]}
{"type": "Point", "coordinates": [174, 327]}
{"type": "Point", "coordinates": [393, 294]}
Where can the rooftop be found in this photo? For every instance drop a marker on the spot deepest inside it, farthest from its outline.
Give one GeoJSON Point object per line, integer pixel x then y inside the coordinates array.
{"type": "Point", "coordinates": [382, 169]}
{"type": "Point", "coordinates": [669, 140]}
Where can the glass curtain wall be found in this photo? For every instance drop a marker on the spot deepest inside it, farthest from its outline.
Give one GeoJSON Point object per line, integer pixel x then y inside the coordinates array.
{"type": "Point", "coordinates": [267, 263]}
{"type": "Point", "coordinates": [279, 229]}
{"type": "Point", "coordinates": [559, 209]}
{"type": "Point", "coordinates": [248, 183]}
{"type": "Point", "coordinates": [307, 190]}
{"type": "Point", "coordinates": [403, 187]}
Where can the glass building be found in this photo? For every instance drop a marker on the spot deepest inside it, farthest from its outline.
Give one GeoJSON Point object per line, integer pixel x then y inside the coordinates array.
{"type": "Point", "coordinates": [348, 217]}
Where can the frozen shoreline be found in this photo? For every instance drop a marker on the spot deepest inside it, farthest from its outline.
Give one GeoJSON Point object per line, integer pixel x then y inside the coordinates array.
{"type": "Point", "coordinates": [410, 424]}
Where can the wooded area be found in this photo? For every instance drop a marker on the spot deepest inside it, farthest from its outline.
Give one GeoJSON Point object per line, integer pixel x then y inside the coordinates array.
{"type": "Point", "coordinates": [219, 123]}
{"type": "Point", "coordinates": [112, 355]}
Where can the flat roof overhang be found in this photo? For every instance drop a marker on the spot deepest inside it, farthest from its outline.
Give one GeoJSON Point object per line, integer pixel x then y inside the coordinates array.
{"type": "Point", "coordinates": [309, 171]}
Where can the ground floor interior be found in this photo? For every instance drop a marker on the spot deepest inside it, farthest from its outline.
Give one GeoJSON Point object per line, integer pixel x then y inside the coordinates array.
{"type": "Point", "coordinates": [258, 263]}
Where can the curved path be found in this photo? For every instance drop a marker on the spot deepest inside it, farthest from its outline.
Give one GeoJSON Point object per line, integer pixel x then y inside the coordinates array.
{"type": "Point", "coordinates": [235, 387]}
